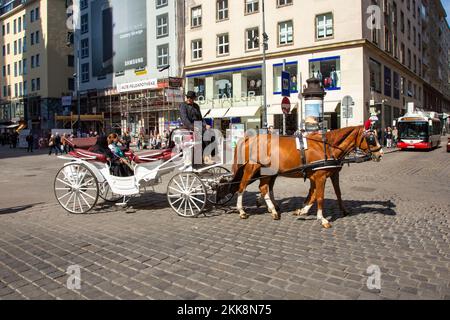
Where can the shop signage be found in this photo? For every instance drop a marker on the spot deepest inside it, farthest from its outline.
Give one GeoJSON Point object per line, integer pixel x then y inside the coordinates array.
{"type": "Point", "coordinates": [137, 86]}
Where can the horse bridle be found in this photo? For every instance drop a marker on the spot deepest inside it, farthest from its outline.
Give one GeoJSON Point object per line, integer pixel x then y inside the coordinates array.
{"type": "Point", "coordinates": [370, 137]}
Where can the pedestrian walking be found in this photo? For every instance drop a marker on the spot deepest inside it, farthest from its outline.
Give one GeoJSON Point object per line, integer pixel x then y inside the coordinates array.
{"type": "Point", "coordinates": [51, 146]}
{"type": "Point", "coordinates": [388, 137]}
{"type": "Point", "coordinates": [395, 136]}
{"type": "Point", "coordinates": [30, 141]}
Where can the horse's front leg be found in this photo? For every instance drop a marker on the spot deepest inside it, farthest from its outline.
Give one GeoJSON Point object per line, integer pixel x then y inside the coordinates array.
{"type": "Point", "coordinates": [249, 171]}
{"type": "Point", "coordinates": [320, 195]}
{"type": "Point", "coordinates": [309, 202]}
{"type": "Point", "coordinates": [337, 190]}
{"type": "Point", "coordinates": [265, 187]}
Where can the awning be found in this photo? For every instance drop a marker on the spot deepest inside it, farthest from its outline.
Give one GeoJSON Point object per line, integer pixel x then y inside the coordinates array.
{"type": "Point", "coordinates": [217, 113]}
{"type": "Point", "coordinates": [242, 112]}
{"type": "Point", "coordinates": [276, 109]}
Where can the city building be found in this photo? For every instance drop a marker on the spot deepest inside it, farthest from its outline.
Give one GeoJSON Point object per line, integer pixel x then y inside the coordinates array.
{"type": "Point", "coordinates": [127, 51]}
{"type": "Point", "coordinates": [36, 65]}
{"type": "Point", "coordinates": [370, 50]}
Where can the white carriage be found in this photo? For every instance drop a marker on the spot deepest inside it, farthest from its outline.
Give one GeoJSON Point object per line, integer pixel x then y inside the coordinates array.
{"type": "Point", "coordinates": [86, 177]}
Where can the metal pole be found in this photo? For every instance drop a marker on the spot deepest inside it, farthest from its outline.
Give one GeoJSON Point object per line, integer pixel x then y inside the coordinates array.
{"type": "Point", "coordinates": [264, 80]}
{"type": "Point", "coordinates": [78, 44]}
{"type": "Point", "coordinates": [284, 115]}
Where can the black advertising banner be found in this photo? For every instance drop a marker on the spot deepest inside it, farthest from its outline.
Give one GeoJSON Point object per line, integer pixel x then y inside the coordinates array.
{"type": "Point", "coordinates": [387, 82]}
{"type": "Point", "coordinates": [119, 35]}
{"type": "Point", "coordinates": [396, 86]}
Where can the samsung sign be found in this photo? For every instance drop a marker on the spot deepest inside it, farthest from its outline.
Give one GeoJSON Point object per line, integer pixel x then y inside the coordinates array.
{"type": "Point", "coordinates": [119, 35]}
{"type": "Point", "coordinates": [136, 86]}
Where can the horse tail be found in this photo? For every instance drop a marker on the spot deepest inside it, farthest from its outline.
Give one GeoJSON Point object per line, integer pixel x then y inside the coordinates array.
{"type": "Point", "coordinates": [238, 168]}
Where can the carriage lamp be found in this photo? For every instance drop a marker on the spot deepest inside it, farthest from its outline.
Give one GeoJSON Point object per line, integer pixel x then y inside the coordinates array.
{"type": "Point", "coordinates": [314, 94]}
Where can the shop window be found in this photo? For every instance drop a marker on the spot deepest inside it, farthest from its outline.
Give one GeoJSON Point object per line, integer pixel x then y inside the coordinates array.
{"type": "Point", "coordinates": [198, 86]}
{"type": "Point", "coordinates": [292, 68]}
{"type": "Point", "coordinates": [223, 85]}
{"type": "Point", "coordinates": [252, 82]}
{"type": "Point", "coordinates": [328, 71]}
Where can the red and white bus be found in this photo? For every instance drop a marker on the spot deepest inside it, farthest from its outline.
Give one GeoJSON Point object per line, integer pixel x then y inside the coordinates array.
{"type": "Point", "coordinates": [416, 131]}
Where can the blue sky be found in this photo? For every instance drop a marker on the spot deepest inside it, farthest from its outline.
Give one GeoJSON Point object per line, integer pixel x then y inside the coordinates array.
{"type": "Point", "coordinates": [446, 4]}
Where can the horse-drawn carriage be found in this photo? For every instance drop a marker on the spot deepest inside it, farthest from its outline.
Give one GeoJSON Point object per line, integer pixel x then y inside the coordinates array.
{"type": "Point", "coordinates": [84, 179]}
{"type": "Point", "coordinates": [87, 177]}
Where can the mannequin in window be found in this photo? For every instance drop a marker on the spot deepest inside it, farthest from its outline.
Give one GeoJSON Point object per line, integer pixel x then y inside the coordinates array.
{"type": "Point", "coordinates": [334, 77]}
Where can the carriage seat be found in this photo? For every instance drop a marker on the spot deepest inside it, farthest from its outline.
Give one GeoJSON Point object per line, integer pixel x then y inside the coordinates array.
{"type": "Point", "coordinates": [154, 155]}
{"type": "Point", "coordinates": [81, 153]}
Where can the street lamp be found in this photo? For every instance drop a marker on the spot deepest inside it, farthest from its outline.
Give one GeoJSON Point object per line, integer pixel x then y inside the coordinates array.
{"type": "Point", "coordinates": [167, 67]}
{"type": "Point", "coordinates": [264, 78]}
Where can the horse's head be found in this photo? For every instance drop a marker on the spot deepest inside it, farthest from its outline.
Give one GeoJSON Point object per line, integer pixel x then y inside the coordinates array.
{"type": "Point", "coordinates": [369, 144]}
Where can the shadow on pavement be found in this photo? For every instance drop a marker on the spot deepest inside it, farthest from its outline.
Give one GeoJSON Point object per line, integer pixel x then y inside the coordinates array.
{"type": "Point", "coordinates": [7, 153]}
{"type": "Point", "coordinates": [18, 209]}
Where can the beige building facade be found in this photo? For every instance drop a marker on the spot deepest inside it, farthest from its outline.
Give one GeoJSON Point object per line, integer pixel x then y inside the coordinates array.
{"type": "Point", "coordinates": [370, 50]}
{"type": "Point", "coordinates": [36, 64]}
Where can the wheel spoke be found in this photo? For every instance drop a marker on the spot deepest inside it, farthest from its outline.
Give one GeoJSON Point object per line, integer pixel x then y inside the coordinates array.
{"type": "Point", "coordinates": [88, 195]}
{"type": "Point", "coordinates": [176, 189]}
{"type": "Point", "coordinates": [62, 197]}
{"type": "Point", "coordinates": [179, 199]}
{"type": "Point", "coordinates": [74, 201]}
{"type": "Point", "coordinates": [190, 206]}
{"type": "Point", "coordinates": [181, 204]}
{"type": "Point", "coordinates": [198, 208]}
{"type": "Point", "coordinates": [79, 203]}
{"type": "Point", "coordinates": [181, 188]}
{"type": "Point", "coordinates": [84, 199]}
{"type": "Point", "coordinates": [197, 199]}
{"type": "Point", "coordinates": [67, 203]}
{"type": "Point", "coordinates": [64, 182]}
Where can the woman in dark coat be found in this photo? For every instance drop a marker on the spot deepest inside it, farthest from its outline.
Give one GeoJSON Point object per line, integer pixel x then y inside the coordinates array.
{"type": "Point", "coordinates": [118, 168]}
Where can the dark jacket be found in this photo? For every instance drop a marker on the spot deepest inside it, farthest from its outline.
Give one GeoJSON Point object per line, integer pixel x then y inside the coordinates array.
{"type": "Point", "coordinates": [189, 114]}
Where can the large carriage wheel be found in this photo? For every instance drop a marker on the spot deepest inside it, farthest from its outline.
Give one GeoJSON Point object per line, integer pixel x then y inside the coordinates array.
{"type": "Point", "coordinates": [76, 188]}
{"type": "Point", "coordinates": [106, 193]}
{"type": "Point", "coordinates": [187, 194]}
{"type": "Point", "coordinates": [216, 174]}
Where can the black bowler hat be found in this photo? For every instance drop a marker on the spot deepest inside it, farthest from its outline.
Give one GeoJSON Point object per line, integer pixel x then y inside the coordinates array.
{"type": "Point", "coordinates": [191, 94]}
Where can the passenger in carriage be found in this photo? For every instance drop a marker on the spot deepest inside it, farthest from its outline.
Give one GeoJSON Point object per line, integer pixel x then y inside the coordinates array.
{"type": "Point", "coordinates": [119, 155]}
{"type": "Point", "coordinates": [117, 166]}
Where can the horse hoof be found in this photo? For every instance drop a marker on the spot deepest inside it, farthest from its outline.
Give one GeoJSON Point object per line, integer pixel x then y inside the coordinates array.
{"type": "Point", "coordinates": [244, 216]}
{"type": "Point", "coordinates": [327, 226]}
{"type": "Point", "coordinates": [276, 217]}
{"type": "Point", "coordinates": [299, 212]}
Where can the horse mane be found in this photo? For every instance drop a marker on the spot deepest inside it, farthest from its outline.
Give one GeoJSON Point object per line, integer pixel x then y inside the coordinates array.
{"type": "Point", "coordinates": [336, 137]}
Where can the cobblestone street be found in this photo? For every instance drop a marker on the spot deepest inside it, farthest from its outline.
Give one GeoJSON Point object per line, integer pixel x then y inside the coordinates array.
{"type": "Point", "coordinates": [400, 217]}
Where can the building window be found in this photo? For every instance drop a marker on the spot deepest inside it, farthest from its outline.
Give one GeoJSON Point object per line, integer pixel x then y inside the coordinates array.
{"type": "Point", "coordinates": [33, 85]}
{"type": "Point", "coordinates": [285, 33]}
{"type": "Point", "coordinates": [252, 38]}
{"type": "Point", "coordinates": [197, 49]}
{"type": "Point", "coordinates": [161, 3]}
{"type": "Point", "coordinates": [163, 55]}
{"type": "Point", "coordinates": [19, 24]}
{"type": "Point", "coordinates": [84, 23]}
{"type": "Point", "coordinates": [162, 26]}
{"type": "Point", "coordinates": [24, 48]}
{"type": "Point", "coordinates": [85, 72]}
{"type": "Point", "coordinates": [222, 9]}
{"type": "Point", "coordinates": [38, 84]}
{"type": "Point", "coordinates": [251, 6]}
{"type": "Point", "coordinates": [223, 44]}
{"type": "Point", "coordinates": [24, 66]}
{"type": "Point", "coordinates": [38, 62]}
{"type": "Point", "coordinates": [281, 3]}
{"type": "Point", "coordinates": [84, 4]}
{"type": "Point", "coordinates": [15, 69]}
{"type": "Point", "coordinates": [292, 68]}
{"type": "Point", "coordinates": [198, 85]}
{"type": "Point", "coordinates": [328, 71]}
{"type": "Point", "coordinates": [71, 84]}
{"type": "Point", "coordinates": [84, 48]}
{"type": "Point", "coordinates": [70, 60]}
{"type": "Point", "coordinates": [36, 13]}
{"type": "Point", "coordinates": [196, 17]}
{"type": "Point", "coordinates": [32, 62]}
{"type": "Point", "coordinates": [37, 37]}
{"type": "Point", "coordinates": [15, 47]}
{"type": "Point", "coordinates": [324, 26]}
{"type": "Point", "coordinates": [375, 75]}
{"type": "Point", "coordinates": [15, 26]}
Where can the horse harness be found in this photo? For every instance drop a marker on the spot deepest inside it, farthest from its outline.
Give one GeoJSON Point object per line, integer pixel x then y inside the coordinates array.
{"type": "Point", "coordinates": [330, 163]}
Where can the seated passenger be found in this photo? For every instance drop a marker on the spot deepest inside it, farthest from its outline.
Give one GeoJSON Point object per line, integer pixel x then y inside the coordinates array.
{"type": "Point", "coordinates": [122, 166]}
{"type": "Point", "coordinates": [116, 165]}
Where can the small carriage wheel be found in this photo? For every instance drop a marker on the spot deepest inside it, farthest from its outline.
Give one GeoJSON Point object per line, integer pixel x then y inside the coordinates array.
{"type": "Point", "coordinates": [187, 194]}
{"type": "Point", "coordinates": [106, 193]}
{"type": "Point", "coordinates": [76, 188]}
{"type": "Point", "coordinates": [217, 173]}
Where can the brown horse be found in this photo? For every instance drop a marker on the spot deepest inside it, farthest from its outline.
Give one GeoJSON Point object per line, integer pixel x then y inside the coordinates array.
{"type": "Point", "coordinates": [282, 158]}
